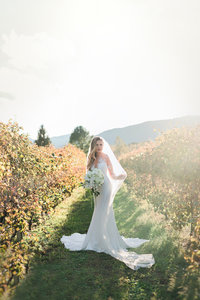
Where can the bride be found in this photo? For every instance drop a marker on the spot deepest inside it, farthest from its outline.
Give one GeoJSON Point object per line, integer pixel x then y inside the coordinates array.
{"type": "Point", "coordinates": [102, 234]}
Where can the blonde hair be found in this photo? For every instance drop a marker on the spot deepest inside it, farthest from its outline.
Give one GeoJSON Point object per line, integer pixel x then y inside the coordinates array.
{"type": "Point", "coordinates": [92, 155]}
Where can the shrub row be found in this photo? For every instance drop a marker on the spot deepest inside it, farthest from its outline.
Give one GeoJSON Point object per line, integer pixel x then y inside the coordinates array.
{"type": "Point", "coordinates": [166, 173]}
{"type": "Point", "coordinates": [33, 181]}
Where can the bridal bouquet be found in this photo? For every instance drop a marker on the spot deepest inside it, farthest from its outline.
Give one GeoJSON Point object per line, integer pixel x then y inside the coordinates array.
{"type": "Point", "coordinates": [94, 180]}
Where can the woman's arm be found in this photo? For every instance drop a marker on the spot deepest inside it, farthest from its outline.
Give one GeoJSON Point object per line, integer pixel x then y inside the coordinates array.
{"type": "Point", "coordinates": [110, 169]}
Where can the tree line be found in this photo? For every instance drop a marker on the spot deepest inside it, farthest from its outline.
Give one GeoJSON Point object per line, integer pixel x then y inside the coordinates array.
{"type": "Point", "coordinates": [80, 137]}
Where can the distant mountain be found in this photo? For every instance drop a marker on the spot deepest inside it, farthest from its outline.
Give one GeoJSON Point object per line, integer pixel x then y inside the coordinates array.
{"type": "Point", "coordinates": [136, 133]}
{"type": "Point", "coordinates": [145, 131]}
{"type": "Point", "coordinates": [58, 141]}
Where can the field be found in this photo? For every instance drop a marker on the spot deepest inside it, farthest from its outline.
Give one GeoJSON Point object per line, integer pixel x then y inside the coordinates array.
{"type": "Point", "coordinates": [159, 201]}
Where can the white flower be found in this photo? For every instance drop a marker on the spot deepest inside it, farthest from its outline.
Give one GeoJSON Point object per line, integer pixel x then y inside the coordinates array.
{"type": "Point", "coordinates": [94, 180]}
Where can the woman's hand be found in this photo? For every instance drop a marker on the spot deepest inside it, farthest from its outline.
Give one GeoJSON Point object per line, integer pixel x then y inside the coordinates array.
{"type": "Point", "coordinates": [121, 176]}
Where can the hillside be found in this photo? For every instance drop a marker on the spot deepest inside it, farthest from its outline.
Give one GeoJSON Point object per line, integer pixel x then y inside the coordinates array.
{"type": "Point", "coordinates": [135, 133]}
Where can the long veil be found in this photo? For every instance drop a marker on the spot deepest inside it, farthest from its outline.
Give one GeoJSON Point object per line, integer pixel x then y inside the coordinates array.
{"type": "Point", "coordinates": [102, 234]}
{"type": "Point", "coordinates": [117, 168]}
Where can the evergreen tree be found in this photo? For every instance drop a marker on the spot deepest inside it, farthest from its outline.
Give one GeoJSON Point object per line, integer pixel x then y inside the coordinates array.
{"type": "Point", "coordinates": [42, 139]}
{"type": "Point", "coordinates": [81, 138]}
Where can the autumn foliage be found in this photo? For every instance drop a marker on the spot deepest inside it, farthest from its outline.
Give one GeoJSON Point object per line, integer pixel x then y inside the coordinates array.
{"type": "Point", "coordinates": [166, 173]}
{"type": "Point", "coordinates": [33, 181]}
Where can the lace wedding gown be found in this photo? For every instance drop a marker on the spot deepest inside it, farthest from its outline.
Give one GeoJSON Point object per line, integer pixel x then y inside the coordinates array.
{"type": "Point", "coordinates": [103, 235]}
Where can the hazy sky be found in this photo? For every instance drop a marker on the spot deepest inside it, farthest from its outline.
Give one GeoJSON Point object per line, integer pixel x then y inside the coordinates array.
{"type": "Point", "coordinates": [100, 64]}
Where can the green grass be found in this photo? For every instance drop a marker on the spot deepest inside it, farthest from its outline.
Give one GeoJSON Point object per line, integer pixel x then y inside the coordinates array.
{"type": "Point", "coordinates": [57, 273]}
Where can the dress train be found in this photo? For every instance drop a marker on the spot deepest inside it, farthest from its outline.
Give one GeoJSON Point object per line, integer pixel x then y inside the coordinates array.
{"type": "Point", "coordinates": [103, 235]}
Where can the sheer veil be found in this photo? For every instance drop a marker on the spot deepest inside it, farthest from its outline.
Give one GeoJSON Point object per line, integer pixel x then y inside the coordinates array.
{"type": "Point", "coordinates": [102, 234]}
{"type": "Point", "coordinates": [117, 168]}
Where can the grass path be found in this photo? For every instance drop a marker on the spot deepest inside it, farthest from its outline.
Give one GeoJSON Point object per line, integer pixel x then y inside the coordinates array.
{"type": "Point", "coordinates": [59, 274]}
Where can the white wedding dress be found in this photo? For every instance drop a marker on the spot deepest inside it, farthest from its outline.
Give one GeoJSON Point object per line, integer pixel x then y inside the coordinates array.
{"type": "Point", "coordinates": [103, 235]}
